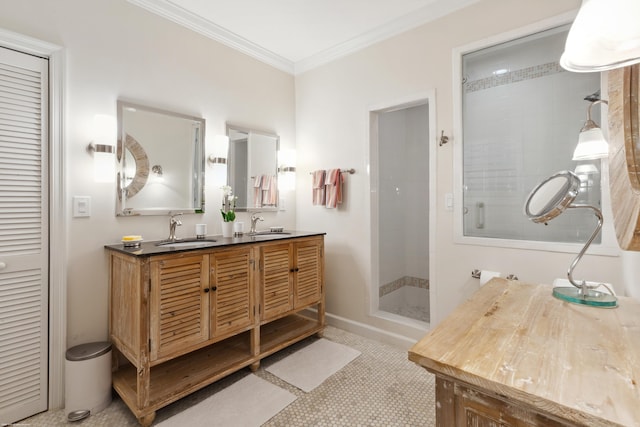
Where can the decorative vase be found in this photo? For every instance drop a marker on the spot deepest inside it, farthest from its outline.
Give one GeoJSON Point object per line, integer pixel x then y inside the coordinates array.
{"type": "Point", "coordinates": [227, 228]}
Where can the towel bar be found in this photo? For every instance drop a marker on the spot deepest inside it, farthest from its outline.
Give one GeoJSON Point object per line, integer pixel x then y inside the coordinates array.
{"type": "Point", "coordinates": [349, 171]}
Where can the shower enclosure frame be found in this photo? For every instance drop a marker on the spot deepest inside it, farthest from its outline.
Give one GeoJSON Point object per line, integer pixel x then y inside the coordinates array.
{"type": "Point", "coordinates": [424, 98]}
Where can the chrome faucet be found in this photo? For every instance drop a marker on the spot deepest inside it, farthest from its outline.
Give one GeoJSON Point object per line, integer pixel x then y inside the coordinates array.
{"type": "Point", "coordinates": [254, 219]}
{"type": "Point", "coordinates": [173, 223]}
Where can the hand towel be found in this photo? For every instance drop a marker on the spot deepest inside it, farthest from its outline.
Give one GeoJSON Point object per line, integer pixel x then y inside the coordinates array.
{"type": "Point", "coordinates": [333, 183]}
{"type": "Point", "coordinates": [269, 190]}
{"type": "Point", "coordinates": [257, 191]}
{"type": "Point", "coordinates": [319, 193]}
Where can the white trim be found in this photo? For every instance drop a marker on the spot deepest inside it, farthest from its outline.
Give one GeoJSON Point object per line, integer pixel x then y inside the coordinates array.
{"type": "Point", "coordinates": [428, 98]}
{"type": "Point", "coordinates": [608, 246]}
{"type": "Point", "coordinates": [165, 8]}
{"type": "Point", "coordinates": [370, 332]}
{"type": "Point", "coordinates": [209, 29]}
{"type": "Point", "coordinates": [58, 230]}
{"type": "Point", "coordinates": [435, 10]}
{"type": "Point", "coordinates": [57, 210]}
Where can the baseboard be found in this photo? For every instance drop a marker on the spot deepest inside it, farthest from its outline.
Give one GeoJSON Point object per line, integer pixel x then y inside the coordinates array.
{"type": "Point", "coordinates": [370, 332]}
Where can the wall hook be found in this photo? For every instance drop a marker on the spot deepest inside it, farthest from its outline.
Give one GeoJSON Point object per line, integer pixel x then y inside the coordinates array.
{"type": "Point", "coordinates": [443, 139]}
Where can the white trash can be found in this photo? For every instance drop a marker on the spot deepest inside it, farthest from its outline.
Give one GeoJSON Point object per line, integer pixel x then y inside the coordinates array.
{"type": "Point", "coordinates": [87, 380]}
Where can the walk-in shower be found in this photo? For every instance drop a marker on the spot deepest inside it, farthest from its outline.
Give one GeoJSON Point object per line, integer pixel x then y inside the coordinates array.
{"type": "Point", "coordinates": [400, 212]}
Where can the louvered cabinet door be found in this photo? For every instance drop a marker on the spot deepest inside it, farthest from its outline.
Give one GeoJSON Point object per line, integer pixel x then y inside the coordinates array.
{"type": "Point", "coordinates": [277, 280]}
{"type": "Point", "coordinates": [179, 305]}
{"type": "Point", "coordinates": [232, 296]}
{"type": "Point", "coordinates": [308, 273]}
{"type": "Point", "coordinates": [24, 245]}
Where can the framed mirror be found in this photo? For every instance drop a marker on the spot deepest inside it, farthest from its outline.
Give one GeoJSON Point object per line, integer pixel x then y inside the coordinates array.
{"type": "Point", "coordinates": [624, 154]}
{"type": "Point", "coordinates": [252, 168]}
{"type": "Point", "coordinates": [160, 161]}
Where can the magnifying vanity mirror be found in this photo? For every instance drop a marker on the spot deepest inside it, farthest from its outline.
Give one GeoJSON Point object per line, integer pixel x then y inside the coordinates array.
{"type": "Point", "coordinates": [546, 201]}
{"type": "Point", "coordinates": [252, 168]}
{"type": "Point", "coordinates": [161, 161]}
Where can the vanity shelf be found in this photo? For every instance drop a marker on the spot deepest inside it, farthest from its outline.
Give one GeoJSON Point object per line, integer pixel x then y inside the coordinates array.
{"type": "Point", "coordinates": [179, 377]}
{"type": "Point", "coordinates": [281, 333]}
{"type": "Point", "coordinates": [181, 320]}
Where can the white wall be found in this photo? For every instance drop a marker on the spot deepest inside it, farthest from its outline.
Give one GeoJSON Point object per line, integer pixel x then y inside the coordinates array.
{"type": "Point", "coordinates": [114, 49]}
{"type": "Point", "coordinates": [333, 129]}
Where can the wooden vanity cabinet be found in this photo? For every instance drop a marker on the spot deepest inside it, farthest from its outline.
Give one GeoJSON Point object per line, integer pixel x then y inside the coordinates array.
{"type": "Point", "coordinates": [199, 298]}
{"type": "Point", "coordinates": [512, 355]}
{"type": "Point", "coordinates": [182, 320]}
{"type": "Point", "coordinates": [179, 306]}
{"type": "Point", "coordinates": [232, 292]}
{"type": "Point", "coordinates": [462, 405]}
{"type": "Point", "coordinates": [291, 277]}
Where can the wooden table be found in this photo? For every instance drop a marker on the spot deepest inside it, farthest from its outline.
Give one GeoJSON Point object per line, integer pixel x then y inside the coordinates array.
{"type": "Point", "coordinates": [513, 355]}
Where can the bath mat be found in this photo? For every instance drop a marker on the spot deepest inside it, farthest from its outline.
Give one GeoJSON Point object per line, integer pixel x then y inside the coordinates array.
{"type": "Point", "coordinates": [309, 367]}
{"type": "Point", "coordinates": [248, 402]}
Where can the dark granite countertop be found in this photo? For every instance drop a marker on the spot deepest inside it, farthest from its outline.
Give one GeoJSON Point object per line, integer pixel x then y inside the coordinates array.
{"type": "Point", "coordinates": [151, 247]}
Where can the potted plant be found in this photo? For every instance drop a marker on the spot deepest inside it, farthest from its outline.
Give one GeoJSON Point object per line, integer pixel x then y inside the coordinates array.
{"type": "Point", "coordinates": [228, 210]}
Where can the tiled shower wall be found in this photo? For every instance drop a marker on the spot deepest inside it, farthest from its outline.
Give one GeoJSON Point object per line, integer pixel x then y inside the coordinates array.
{"type": "Point", "coordinates": [522, 114]}
{"type": "Point", "coordinates": [403, 186]}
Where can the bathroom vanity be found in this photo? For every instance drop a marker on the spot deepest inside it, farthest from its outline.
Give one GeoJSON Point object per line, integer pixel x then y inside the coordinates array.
{"type": "Point", "coordinates": [182, 317]}
{"type": "Point", "coordinates": [513, 355]}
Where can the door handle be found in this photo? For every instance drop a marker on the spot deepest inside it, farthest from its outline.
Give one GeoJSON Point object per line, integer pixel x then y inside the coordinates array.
{"type": "Point", "coordinates": [3, 265]}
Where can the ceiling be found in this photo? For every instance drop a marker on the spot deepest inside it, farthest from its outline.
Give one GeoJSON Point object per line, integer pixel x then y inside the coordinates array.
{"type": "Point", "coordinates": [298, 35]}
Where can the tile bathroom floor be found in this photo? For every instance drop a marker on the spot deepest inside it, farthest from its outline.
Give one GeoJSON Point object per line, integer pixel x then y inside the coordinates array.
{"type": "Point", "coordinates": [381, 387]}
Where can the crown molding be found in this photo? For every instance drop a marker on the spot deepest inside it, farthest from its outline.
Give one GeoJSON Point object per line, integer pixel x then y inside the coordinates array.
{"type": "Point", "coordinates": [187, 19]}
{"type": "Point", "coordinates": [168, 10]}
{"type": "Point", "coordinates": [435, 10]}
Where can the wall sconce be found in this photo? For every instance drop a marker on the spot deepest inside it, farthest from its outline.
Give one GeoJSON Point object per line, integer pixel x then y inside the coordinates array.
{"type": "Point", "coordinates": [157, 173]}
{"type": "Point", "coordinates": [220, 150]}
{"type": "Point", "coordinates": [102, 148]}
{"type": "Point", "coordinates": [591, 142]}
{"type": "Point", "coordinates": [604, 35]}
{"type": "Point", "coordinates": [218, 159]}
{"type": "Point", "coordinates": [287, 170]}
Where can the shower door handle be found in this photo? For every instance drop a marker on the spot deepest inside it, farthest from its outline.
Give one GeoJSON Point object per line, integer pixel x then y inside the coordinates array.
{"type": "Point", "coordinates": [480, 215]}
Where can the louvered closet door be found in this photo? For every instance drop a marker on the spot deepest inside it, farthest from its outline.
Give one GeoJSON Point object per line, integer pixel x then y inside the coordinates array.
{"type": "Point", "coordinates": [23, 235]}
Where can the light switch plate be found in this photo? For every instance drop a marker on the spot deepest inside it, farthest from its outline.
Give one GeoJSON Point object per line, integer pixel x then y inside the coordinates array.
{"type": "Point", "coordinates": [81, 206]}
{"type": "Point", "coordinates": [448, 201]}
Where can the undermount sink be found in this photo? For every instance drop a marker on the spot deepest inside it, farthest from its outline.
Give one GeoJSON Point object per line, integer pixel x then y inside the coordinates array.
{"type": "Point", "coordinates": [187, 243]}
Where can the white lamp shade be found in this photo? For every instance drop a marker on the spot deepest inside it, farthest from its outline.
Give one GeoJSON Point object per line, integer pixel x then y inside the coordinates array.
{"type": "Point", "coordinates": [103, 167]}
{"type": "Point", "coordinates": [591, 145]}
{"type": "Point", "coordinates": [586, 169]}
{"type": "Point", "coordinates": [604, 35]}
{"type": "Point", "coordinates": [104, 140]}
{"type": "Point", "coordinates": [287, 158]}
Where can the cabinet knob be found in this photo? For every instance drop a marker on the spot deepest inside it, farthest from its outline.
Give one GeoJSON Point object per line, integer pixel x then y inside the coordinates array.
{"type": "Point", "coordinates": [214, 288]}
{"type": "Point", "coordinates": [206, 290]}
